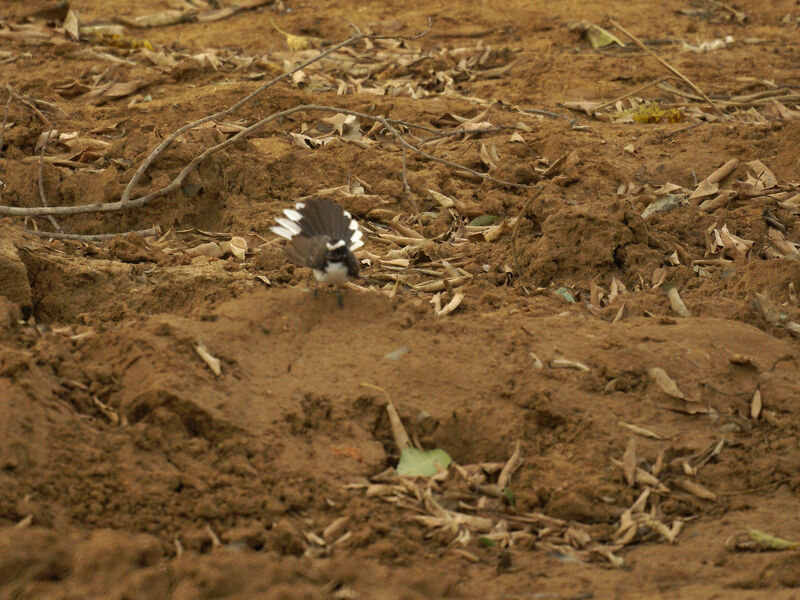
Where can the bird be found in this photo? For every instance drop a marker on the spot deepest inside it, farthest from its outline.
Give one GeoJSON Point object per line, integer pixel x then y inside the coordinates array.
{"type": "Point", "coordinates": [322, 235]}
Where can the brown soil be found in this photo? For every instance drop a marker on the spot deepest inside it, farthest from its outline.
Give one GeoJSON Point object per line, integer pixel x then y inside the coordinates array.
{"type": "Point", "coordinates": [129, 470]}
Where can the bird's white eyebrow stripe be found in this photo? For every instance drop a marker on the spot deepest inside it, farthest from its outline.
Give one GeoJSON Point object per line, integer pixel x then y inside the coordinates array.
{"type": "Point", "coordinates": [335, 245]}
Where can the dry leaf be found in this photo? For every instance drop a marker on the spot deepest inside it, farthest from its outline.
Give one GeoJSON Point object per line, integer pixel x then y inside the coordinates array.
{"type": "Point", "coordinates": [665, 382]}
{"type": "Point", "coordinates": [345, 125]}
{"type": "Point", "coordinates": [762, 178]}
{"type": "Point", "coordinates": [210, 249]}
{"type": "Point", "coordinates": [582, 105]}
{"type": "Point", "coordinates": [629, 462]}
{"type": "Point", "coordinates": [725, 170]}
{"type": "Point", "coordinates": [755, 405]}
{"type": "Point", "coordinates": [295, 42]}
{"type": "Point", "coordinates": [565, 363]}
{"type": "Point", "coordinates": [640, 430]}
{"type": "Point", "coordinates": [238, 247]}
{"type": "Point", "coordinates": [71, 25]}
{"type": "Point", "coordinates": [159, 19]}
{"type": "Point", "coordinates": [734, 246]}
{"type": "Point", "coordinates": [212, 362]}
{"type": "Point", "coordinates": [454, 303]}
{"type": "Point", "coordinates": [443, 200]}
{"type": "Point", "coordinates": [489, 156]}
{"type": "Point", "coordinates": [676, 302]}
{"type": "Point", "coordinates": [703, 189]}
{"type": "Point", "coordinates": [695, 489]}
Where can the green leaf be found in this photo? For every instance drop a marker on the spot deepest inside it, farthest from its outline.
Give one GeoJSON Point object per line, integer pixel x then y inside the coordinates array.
{"type": "Point", "coordinates": [509, 495]}
{"type": "Point", "coordinates": [486, 542]}
{"type": "Point", "coordinates": [564, 293]}
{"type": "Point", "coordinates": [600, 38]}
{"type": "Point", "coordinates": [422, 463]}
{"type": "Point", "coordinates": [483, 220]}
{"type": "Point", "coordinates": [770, 541]}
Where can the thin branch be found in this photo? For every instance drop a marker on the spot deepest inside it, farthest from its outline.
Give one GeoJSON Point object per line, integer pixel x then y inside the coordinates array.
{"type": "Point", "coordinates": [3, 126]}
{"type": "Point", "coordinates": [178, 180]}
{"type": "Point", "coordinates": [126, 194]}
{"type": "Point", "coordinates": [42, 193]}
{"type": "Point", "coordinates": [547, 113]}
{"type": "Point", "coordinates": [151, 232]}
{"type": "Point", "coordinates": [406, 188]}
{"type": "Point", "coordinates": [667, 66]}
{"type": "Point", "coordinates": [514, 233]}
{"type": "Point", "coordinates": [29, 104]}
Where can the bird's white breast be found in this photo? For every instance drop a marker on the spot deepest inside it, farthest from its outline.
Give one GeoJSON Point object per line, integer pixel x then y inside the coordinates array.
{"type": "Point", "coordinates": [335, 272]}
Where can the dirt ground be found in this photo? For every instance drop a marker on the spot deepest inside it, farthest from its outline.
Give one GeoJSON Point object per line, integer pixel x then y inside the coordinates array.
{"type": "Point", "coordinates": [583, 293]}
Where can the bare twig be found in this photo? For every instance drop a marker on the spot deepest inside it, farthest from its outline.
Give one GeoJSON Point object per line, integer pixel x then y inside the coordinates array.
{"type": "Point", "coordinates": [667, 66]}
{"type": "Point", "coordinates": [126, 194]}
{"type": "Point", "coordinates": [29, 104]}
{"type": "Point", "coordinates": [151, 232]}
{"type": "Point", "coordinates": [406, 188]}
{"type": "Point", "coordinates": [178, 180]}
{"type": "Point", "coordinates": [664, 136]}
{"type": "Point", "coordinates": [547, 113]}
{"type": "Point", "coordinates": [3, 126]}
{"type": "Point", "coordinates": [514, 233]}
{"type": "Point", "coordinates": [41, 179]}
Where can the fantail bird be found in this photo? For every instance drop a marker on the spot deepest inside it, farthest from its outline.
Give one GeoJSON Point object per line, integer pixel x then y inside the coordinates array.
{"type": "Point", "coordinates": [322, 235]}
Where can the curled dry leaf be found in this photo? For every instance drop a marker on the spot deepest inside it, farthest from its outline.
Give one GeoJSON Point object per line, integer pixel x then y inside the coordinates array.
{"type": "Point", "coordinates": [640, 430]}
{"type": "Point", "coordinates": [345, 125]}
{"type": "Point", "coordinates": [676, 302]}
{"type": "Point", "coordinates": [213, 363]}
{"type": "Point", "coordinates": [444, 201]}
{"type": "Point", "coordinates": [454, 303]}
{"type": "Point", "coordinates": [755, 405]}
{"type": "Point", "coordinates": [704, 188]}
{"type": "Point", "coordinates": [72, 26]}
{"type": "Point", "coordinates": [629, 462]}
{"type": "Point", "coordinates": [695, 489]}
{"type": "Point", "coordinates": [761, 177]}
{"type": "Point", "coordinates": [565, 363]}
{"type": "Point", "coordinates": [665, 382]}
{"type": "Point", "coordinates": [733, 246]}
{"type": "Point", "coordinates": [238, 247]}
{"type": "Point", "coordinates": [720, 201]}
{"type": "Point", "coordinates": [159, 19]}
{"type": "Point", "coordinates": [210, 249]}
{"type": "Point", "coordinates": [489, 156]}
